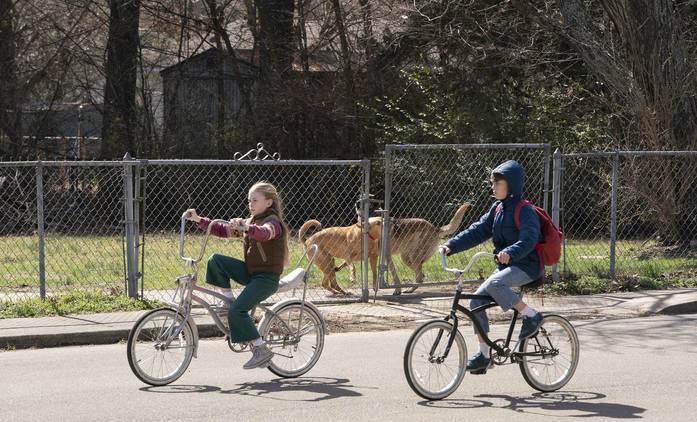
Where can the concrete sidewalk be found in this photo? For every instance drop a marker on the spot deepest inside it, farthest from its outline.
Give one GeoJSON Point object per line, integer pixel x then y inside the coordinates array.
{"type": "Point", "coordinates": [383, 313]}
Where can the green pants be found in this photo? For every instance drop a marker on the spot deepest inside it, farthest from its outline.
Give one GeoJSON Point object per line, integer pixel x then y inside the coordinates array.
{"type": "Point", "coordinates": [258, 286]}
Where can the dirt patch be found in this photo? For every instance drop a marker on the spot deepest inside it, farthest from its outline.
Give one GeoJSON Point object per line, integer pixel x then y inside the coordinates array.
{"type": "Point", "coordinates": [346, 324]}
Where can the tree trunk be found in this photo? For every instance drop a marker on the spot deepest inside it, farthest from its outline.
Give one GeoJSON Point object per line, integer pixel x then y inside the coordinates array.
{"type": "Point", "coordinates": [120, 123]}
{"type": "Point", "coordinates": [11, 146]}
{"type": "Point", "coordinates": [349, 91]}
{"type": "Point", "coordinates": [275, 42]}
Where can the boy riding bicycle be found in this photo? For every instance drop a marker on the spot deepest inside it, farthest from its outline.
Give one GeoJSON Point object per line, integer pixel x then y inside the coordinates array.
{"type": "Point", "coordinates": [517, 261]}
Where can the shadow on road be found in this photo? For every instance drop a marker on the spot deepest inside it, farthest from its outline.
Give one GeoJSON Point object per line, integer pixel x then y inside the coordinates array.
{"type": "Point", "coordinates": [322, 389]}
{"type": "Point", "coordinates": [578, 404]}
{"type": "Point", "coordinates": [319, 388]}
{"type": "Point", "coordinates": [172, 389]}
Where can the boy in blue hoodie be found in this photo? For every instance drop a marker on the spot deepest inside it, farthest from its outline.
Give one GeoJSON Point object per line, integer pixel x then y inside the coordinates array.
{"type": "Point", "coordinates": [517, 261]}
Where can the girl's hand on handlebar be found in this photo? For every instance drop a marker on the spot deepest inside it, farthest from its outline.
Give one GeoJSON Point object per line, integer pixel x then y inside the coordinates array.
{"type": "Point", "coordinates": [444, 249]}
{"type": "Point", "coordinates": [238, 224]}
{"type": "Point", "coordinates": [192, 216]}
{"type": "Point", "coordinates": [503, 258]}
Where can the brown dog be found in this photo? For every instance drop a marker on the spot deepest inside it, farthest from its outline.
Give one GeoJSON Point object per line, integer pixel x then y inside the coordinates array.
{"type": "Point", "coordinates": [344, 243]}
{"type": "Point", "coordinates": [415, 240]}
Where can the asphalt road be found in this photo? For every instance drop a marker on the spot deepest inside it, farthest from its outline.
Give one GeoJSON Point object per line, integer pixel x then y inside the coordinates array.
{"type": "Point", "coordinates": [643, 368]}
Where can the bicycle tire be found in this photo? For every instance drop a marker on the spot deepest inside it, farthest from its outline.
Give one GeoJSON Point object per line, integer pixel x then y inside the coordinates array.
{"type": "Point", "coordinates": [293, 357]}
{"type": "Point", "coordinates": [551, 355]}
{"type": "Point", "coordinates": [150, 359]}
{"type": "Point", "coordinates": [452, 370]}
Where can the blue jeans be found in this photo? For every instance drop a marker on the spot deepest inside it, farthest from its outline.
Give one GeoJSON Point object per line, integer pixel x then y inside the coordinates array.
{"type": "Point", "coordinates": [498, 286]}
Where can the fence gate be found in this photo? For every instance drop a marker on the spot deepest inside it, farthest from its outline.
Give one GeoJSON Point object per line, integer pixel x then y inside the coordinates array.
{"type": "Point", "coordinates": [431, 182]}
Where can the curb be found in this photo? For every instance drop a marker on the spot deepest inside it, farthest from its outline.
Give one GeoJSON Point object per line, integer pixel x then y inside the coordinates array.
{"type": "Point", "coordinates": [83, 338]}
{"type": "Point", "coordinates": [336, 322]}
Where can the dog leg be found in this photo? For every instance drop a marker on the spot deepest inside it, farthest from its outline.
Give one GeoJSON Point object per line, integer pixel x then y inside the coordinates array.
{"type": "Point", "coordinates": [393, 271]}
{"type": "Point", "coordinates": [416, 266]}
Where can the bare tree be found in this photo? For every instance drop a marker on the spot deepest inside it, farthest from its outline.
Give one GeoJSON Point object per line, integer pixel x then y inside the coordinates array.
{"type": "Point", "coordinates": [643, 63]}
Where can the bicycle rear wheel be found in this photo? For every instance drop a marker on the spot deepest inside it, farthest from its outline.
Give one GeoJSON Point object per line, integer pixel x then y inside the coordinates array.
{"type": "Point", "coordinates": [549, 359]}
{"type": "Point", "coordinates": [428, 373]}
{"type": "Point", "coordinates": [295, 334]}
{"type": "Point", "coordinates": [155, 354]}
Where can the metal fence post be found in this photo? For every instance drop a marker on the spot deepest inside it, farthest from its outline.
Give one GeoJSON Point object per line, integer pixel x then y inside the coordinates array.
{"type": "Point", "coordinates": [613, 212]}
{"type": "Point", "coordinates": [545, 183]}
{"type": "Point", "coordinates": [384, 242]}
{"type": "Point", "coordinates": [40, 229]}
{"type": "Point", "coordinates": [138, 205]}
{"type": "Point", "coordinates": [131, 258]}
{"type": "Point", "coordinates": [366, 215]}
{"type": "Point", "coordinates": [556, 200]}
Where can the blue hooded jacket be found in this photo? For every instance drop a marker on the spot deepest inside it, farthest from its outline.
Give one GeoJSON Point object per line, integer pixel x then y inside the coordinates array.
{"type": "Point", "coordinates": [520, 245]}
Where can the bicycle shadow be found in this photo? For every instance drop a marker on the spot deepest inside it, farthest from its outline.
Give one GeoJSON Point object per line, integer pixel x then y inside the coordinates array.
{"type": "Point", "coordinates": [577, 404]}
{"type": "Point", "coordinates": [321, 388]}
{"type": "Point", "coordinates": [180, 388]}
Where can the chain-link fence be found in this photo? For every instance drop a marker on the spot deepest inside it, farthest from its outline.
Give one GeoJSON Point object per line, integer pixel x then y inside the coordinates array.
{"type": "Point", "coordinates": [62, 225]}
{"type": "Point", "coordinates": [113, 226]}
{"type": "Point", "coordinates": [425, 188]}
{"type": "Point", "coordinates": [629, 214]}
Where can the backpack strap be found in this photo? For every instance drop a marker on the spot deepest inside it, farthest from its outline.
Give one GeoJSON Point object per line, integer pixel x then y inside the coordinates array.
{"type": "Point", "coordinates": [516, 213]}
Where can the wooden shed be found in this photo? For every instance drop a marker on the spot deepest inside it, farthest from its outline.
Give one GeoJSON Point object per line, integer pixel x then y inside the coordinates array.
{"type": "Point", "coordinates": [202, 95]}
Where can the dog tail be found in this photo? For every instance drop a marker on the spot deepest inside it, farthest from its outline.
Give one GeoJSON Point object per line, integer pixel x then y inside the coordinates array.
{"type": "Point", "coordinates": [302, 233]}
{"type": "Point", "coordinates": [451, 228]}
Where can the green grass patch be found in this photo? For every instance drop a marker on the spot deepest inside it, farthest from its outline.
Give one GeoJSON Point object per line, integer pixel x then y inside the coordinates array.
{"type": "Point", "coordinates": [96, 262]}
{"type": "Point", "coordinates": [79, 302]}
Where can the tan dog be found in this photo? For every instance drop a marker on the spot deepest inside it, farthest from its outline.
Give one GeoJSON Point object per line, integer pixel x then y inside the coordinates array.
{"type": "Point", "coordinates": [344, 243]}
{"type": "Point", "coordinates": [415, 240]}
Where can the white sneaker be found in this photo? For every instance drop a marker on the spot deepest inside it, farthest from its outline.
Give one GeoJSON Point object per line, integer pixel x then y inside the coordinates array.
{"type": "Point", "coordinates": [261, 356]}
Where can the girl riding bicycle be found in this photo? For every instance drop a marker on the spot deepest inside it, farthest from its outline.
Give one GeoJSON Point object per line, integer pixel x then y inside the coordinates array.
{"type": "Point", "coordinates": [265, 255]}
{"type": "Point", "coordinates": [517, 261]}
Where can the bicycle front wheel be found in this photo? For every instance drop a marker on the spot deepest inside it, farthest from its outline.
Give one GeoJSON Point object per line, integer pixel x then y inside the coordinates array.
{"type": "Point", "coordinates": [430, 373]}
{"type": "Point", "coordinates": [160, 347]}
{"type": "Point", "coordinates": [295, 333]}
{"type": "Point", "coordinates": [549, 359]}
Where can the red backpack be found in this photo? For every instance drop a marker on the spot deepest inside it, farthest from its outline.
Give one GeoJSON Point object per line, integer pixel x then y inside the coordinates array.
{"type": "Point", "coordinates": [549, 249]}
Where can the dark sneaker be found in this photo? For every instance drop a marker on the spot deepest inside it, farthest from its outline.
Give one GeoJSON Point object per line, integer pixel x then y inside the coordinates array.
{"type": "Point", "coordinates": [478, 364]}
{"type": "Point", "coordinates": [530, 326]}
{"type": "Point", "coordinates": [261, 356]}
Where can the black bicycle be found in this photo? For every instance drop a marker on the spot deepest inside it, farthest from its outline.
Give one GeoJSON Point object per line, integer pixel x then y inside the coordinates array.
{"type": "Point", "coordinates": [435, 358]}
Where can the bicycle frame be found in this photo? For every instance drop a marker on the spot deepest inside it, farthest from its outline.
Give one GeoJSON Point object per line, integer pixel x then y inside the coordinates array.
{"type": "Point", "coordinates": [186, 288]}
{"type": "Point", "coordinates": [501, 350]}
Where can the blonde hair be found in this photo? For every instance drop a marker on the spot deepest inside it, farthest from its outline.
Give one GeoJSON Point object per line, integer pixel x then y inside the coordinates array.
{"type": "Point", "coordinates": [270, 192]}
